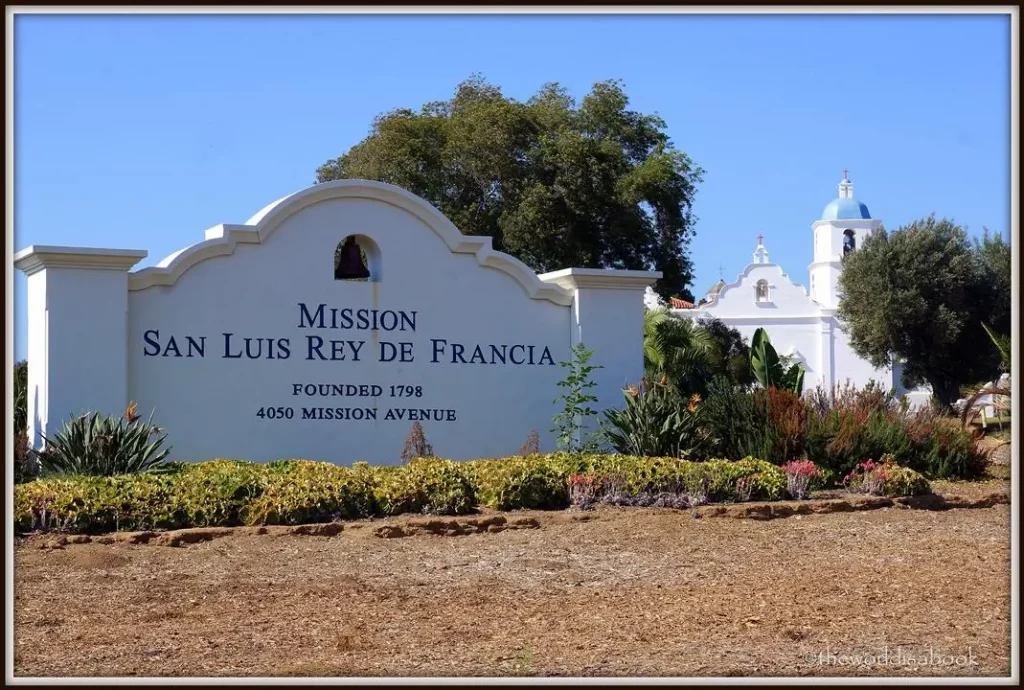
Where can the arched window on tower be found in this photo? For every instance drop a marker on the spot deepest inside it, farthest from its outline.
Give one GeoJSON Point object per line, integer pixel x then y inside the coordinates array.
{"type": "Point", "coordinates": [761, 290]}
{"type": "Point", "coordinates": [849, 242]}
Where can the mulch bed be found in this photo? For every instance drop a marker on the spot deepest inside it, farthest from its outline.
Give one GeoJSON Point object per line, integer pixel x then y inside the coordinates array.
{"type": "Point", "coordinates": [877, 590]}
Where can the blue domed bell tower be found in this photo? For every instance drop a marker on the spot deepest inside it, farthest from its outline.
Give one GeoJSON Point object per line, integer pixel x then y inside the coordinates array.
{"type": "Point", "coordinates": [844, 225]}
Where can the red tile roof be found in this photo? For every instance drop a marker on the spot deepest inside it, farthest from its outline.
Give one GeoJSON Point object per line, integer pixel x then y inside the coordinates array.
{"type": "Point", "coordinates": [680, 303]}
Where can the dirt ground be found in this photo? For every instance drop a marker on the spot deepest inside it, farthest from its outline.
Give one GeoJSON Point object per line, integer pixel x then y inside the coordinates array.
{"type": "Point", "coordinates": [614, 592]}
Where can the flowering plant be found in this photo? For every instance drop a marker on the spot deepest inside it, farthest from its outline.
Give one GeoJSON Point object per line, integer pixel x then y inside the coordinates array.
{"type": "Point", "coordinates": [885, 478]}
{"type": "Point", "coordinates": [101, 445]}
{"type": "Point", "coordinates": [656, 422]}
{"type": "Point", "coordinates": [744, 488]}
{"type": "Point", "coordinates": [868, 477]}
{"type": "Point", "coordinates": [799, 475]}
{"type": "Point", "coordinates": [582, 490]}
{"type": "Point", "coordinates": [802, 468]}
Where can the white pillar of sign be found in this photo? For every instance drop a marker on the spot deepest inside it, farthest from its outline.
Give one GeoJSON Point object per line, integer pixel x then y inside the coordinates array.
{"type": "Point", "coordinates": [77, 332]}
{"type": "Point", "coordinates": [608, 318]}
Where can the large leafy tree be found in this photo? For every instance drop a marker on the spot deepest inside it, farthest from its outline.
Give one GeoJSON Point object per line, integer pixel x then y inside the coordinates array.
{"type": "Point", "coordinates": [920, 294]}
{"type": "Point", "coordinates": [556, 184]}
{"type": "Point", "coordinates": [996, 262]}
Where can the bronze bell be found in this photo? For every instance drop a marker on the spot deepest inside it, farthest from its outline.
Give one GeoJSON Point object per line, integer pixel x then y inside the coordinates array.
{"type": "Point", "coordinates": [351, 263]}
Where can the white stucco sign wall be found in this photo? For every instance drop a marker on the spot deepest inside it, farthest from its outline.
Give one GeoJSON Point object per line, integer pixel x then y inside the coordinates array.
{"type": "Point", "coordinates": [247, 346]}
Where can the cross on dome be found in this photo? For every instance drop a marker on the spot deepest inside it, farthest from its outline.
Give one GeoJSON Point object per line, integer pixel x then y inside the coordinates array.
{"type": "Point", "coordinates": [845, 206]}
{"type": "Point", "coordinates": [845, 186]}
{"type": "Point", "coordinates": [760, 240]}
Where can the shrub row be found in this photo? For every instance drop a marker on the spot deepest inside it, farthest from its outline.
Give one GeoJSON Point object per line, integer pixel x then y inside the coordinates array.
{"type": "Point", "coordinates": [542, 481]}
{"type": "Point", "coordinates": [229, 493]}
{"type": "Point", "coordinates": [836, 430]}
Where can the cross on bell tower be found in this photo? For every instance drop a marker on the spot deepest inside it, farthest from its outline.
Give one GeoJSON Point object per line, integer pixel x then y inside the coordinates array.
{"type": "Point", "coordinates": [845, 186]}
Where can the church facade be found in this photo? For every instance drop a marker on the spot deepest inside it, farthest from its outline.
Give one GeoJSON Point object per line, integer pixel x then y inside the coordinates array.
{"type": "Point", "coordinates": [802, 323]}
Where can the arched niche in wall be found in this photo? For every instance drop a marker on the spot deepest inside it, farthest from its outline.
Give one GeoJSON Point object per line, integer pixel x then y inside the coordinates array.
{"type": "Point", "coordinates": [357, 258]}
{"type": "Point", "coordinates": [762, 292]}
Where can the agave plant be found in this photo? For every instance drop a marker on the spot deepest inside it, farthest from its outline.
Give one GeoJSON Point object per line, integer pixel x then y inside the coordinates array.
{"type": "Point", "coordinates": [768, 368]}
{"type": "Point", "coordinates": [95, 444]}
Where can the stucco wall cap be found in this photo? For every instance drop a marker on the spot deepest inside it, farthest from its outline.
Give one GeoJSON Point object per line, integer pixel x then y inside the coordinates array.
{"type": "Point", "coordinates": [37, 257]}
{"type": "Point", "coordinates": [600, 278]}
{"type": "Point", "coordinates": [222, 239]}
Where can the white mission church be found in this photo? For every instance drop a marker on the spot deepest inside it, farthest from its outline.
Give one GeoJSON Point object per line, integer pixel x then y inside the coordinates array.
{"type": "Point", "coordinates": [803, 325]}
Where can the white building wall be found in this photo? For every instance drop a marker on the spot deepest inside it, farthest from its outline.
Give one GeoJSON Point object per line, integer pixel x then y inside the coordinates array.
{"type": "Point", "coordinates": [848, 367]}
{"type": "Point", "coordinates": [828, 255]}
{"type": "Point", "coordinates": [37, 414]}
{"type": "Point", "coordinates": [796, 340]}
{"type": "Point", "coordinates": [245, 295]}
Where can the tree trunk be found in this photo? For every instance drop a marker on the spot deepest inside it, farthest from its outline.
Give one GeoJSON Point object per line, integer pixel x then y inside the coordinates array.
{"type": "Point", "coordinates": [945, 392]}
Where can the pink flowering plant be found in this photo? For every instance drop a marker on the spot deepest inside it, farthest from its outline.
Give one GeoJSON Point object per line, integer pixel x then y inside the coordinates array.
{"type": "Point", "coordinates": [744, 488]}
{"type": "Point", "coordinates": [867, 478]}
{"type": "Point", "coordinates": [885, 478]}
{"type": "Point", "coordinates": [799, 476]}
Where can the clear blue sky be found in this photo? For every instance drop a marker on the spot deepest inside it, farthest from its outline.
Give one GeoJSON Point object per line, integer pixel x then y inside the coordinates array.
{"type": "Point", "coordinates": [141, 132]}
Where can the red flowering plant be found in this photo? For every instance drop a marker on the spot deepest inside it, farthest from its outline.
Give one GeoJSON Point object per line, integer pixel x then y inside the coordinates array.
{"type": "Point", "coordinates": [582, 490]}
{"type": "Point", "coordinates": [799, 475]}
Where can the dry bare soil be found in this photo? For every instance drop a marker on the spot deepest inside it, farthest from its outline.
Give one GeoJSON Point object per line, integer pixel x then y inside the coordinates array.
{"type": "Point", "coordinates": [613, 592]}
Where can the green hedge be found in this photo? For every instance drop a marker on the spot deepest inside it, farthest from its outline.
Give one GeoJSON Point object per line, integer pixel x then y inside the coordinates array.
{"type": "Point", "coordinates": [227, 493]}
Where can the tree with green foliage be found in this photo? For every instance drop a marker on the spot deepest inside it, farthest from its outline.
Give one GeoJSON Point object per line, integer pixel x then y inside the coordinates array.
{"type": "Point", "coordinates": [689, 353]}
{"type": "Point", "coordinates": [920, 294]}
{"type": "Point", "coordinates": [996, 261]}
{"type": "Point", "coordinates": [732, 352]}
{"type": "Point", "coordinates": [1002, 343]}
{"type": "Point", "coordinates": [556, 184]}
{"type": "Point", "coordinates": [678, 350]}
